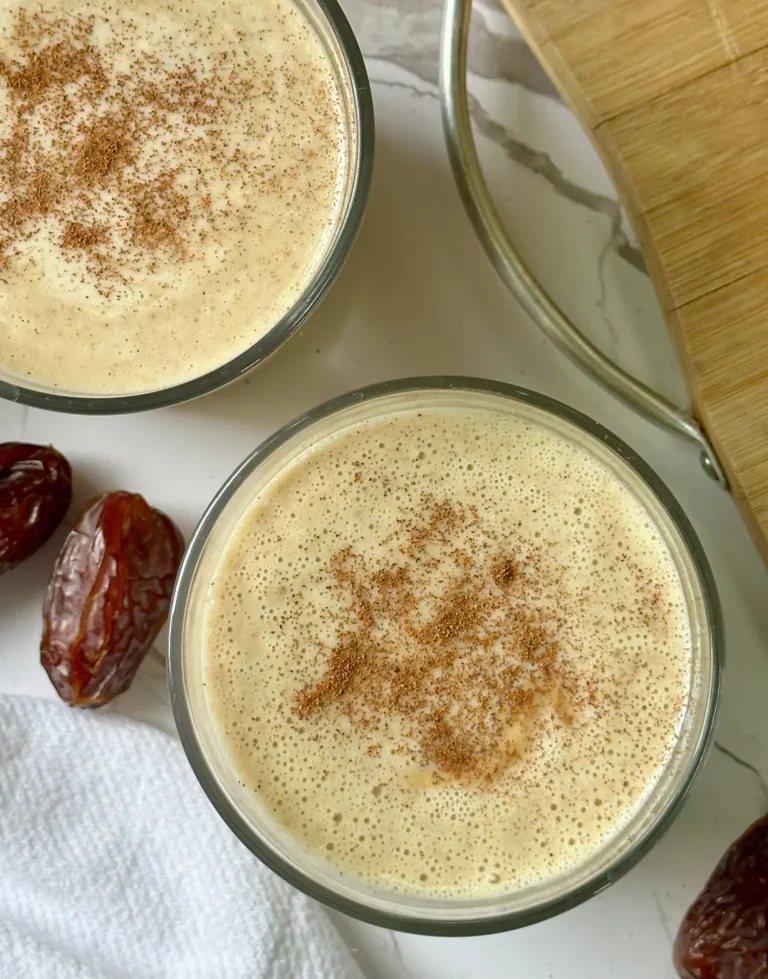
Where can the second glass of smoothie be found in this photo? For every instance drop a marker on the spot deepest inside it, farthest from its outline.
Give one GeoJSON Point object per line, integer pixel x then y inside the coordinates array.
{"type": "Point", "coordinates": [446, 655]}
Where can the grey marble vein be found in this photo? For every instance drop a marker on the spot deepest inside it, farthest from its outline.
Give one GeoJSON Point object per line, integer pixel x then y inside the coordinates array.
{"type": "Point", "coordinates": [405, 34]}
{"type": "Point", "coordinates": [669, 929]}
{"type": "Point", "coordinates": [507, 58]}
{"type": "Point", "coordinates": [542, 164]}
{"type": "Point", "coordinates": [537, 162]}
{"type": "Point", "coordinates": [748, 766]}
{"type": "Point", "coordinates": [491, 56]}
{"type": "Point", "coordinates": [405, 87]}
{"type": "Point", "coordinates": [405, 972]}
{"type": "Point", "coordinates": [603, 298]}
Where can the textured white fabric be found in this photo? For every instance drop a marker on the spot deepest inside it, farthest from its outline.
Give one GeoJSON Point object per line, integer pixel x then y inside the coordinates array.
{"type": "Point", "coordinates": [114, 865]}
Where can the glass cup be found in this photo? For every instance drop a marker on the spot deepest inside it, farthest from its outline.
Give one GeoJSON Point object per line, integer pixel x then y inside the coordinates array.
{"type": "Point", "coordinates": [274, 845]}
{"type": "Point", "coordinates": [335, 34]}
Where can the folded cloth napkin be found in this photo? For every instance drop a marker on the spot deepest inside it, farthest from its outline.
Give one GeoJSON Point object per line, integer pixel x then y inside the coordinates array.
{"type": "Point", "coordinates": [114, 865]}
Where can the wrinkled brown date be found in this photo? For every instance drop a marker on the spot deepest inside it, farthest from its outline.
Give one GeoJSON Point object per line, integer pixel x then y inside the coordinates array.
{"type": "Point", "coordinates": [724, 935]}
{"type": "Point", "coordinates": [108, 597]}
{"type": "Point", "coordinates": [35, 493]}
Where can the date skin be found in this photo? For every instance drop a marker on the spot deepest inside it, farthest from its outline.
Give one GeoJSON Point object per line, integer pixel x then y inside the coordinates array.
{"type": "Point", "coordinates": [108, 597]}
{"type": "Point", "coordinates": [35, 493]}
{"type": "Point", "coordinates": [724, 935]}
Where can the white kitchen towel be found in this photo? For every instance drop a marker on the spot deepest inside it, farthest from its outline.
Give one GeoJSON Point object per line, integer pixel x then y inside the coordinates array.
{"type": "Point", "coordinates": [114, 865]}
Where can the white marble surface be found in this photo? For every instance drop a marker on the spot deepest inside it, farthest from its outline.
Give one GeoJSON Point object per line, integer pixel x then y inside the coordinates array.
{"type": "Point", "coordinates": [418, 296]}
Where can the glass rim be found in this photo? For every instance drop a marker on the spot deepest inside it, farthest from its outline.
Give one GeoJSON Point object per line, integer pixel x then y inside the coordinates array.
{"type": "Point", "coordinates": [258, 352]}
{"type": "Point", "coordinates": [250, 837]}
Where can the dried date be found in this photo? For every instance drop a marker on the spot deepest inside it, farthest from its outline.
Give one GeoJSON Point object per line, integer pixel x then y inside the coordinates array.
{"type": "Point", "coordinates": [108, 597]}
{"type": "Point", "coordinates": [724, 935]}
{"type": "Point", "coordinates": [35, 493]}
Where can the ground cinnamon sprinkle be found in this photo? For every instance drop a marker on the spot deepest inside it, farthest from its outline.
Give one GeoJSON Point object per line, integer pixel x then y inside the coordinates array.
{"type": "Point", "coordinates": [77, 235]}
{"type": "Point", "coordinates": [106, 148]}
{"type": "Point", "coordinates": [343, 665]}
{"type": "Point", "coordinates": [504, 571]}
{"type": "Point", "coordinates": [88, 146]}
{"type": "Point", "coordinates": [471, 671]}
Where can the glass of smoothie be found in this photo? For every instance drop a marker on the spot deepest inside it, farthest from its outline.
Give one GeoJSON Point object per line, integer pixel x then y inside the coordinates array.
{"type": "Point", "coordinates": [446, 655]}
{"type": "Point", "coordinates": [181, 185]}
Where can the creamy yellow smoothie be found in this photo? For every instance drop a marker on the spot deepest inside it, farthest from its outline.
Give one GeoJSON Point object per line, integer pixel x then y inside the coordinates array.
{"type": "Point", "coordinates": [172, 175]}
{"type": "Point", "coordinates": [447, 651]}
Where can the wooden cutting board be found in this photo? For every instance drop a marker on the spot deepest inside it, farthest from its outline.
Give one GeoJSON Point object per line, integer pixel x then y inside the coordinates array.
{"type": "Point", "coordinates": [675, 96]}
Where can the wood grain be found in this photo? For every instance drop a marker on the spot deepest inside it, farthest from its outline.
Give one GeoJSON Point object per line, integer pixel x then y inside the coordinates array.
{"type": "Point", "coordinates": [674, 94]}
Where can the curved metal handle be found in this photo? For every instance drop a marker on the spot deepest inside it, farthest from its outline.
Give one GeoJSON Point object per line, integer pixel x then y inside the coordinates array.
{"type": "Point", "coordinates": [510, 266]}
